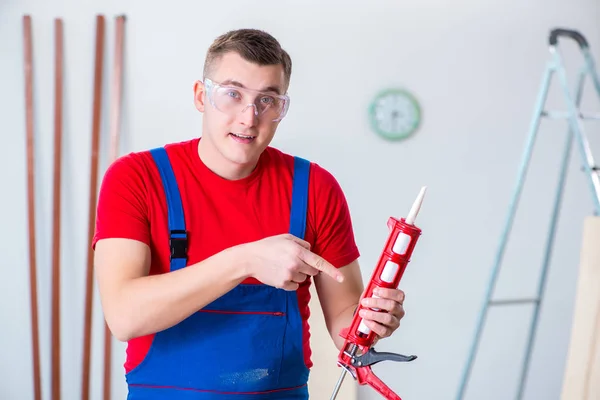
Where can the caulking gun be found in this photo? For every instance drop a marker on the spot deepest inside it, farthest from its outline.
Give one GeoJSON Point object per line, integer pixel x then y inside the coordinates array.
{"type": "Point", "coordinates": [357, 355]}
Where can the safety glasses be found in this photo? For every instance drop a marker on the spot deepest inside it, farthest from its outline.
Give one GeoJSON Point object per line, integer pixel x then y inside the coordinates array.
{"type": "Point", "coordinates": [233, 100]}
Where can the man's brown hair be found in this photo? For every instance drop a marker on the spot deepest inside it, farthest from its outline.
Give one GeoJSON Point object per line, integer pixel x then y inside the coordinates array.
{"type": "Point", "coordinates": [253, 45]}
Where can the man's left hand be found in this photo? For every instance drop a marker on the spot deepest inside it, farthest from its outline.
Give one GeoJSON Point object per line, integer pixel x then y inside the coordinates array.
{"type": "Point", "coordinates": [386, 321]}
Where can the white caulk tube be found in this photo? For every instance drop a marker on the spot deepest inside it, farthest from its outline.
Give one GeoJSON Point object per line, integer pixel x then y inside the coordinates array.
{"type": "Point", "coordinates": [400, 246]}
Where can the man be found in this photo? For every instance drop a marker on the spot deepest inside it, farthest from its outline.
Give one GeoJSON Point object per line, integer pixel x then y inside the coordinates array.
{"type": "Point", "coordinates": [205, 249]}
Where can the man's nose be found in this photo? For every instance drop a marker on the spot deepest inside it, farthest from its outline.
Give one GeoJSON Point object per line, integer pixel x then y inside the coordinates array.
{"type": "Point", "coordinates": [249, 117]}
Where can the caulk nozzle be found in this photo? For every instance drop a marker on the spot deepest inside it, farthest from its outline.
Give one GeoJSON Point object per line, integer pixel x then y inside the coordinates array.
{"type": "Point", "coordinates": [414, 211]}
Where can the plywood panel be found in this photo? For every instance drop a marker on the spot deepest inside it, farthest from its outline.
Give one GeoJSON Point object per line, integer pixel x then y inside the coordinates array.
{"type": "Point", "coordinates": [325, 371]}
{"type": "Point", "coordinates": [582, 374]}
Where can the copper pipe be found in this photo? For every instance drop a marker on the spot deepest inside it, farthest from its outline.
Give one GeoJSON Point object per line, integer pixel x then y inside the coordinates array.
{"type": "Point", "coordinates": [28, 70]}
{"type": "Point", "coordinates": [115, 121]}
{"type": "Point", "coordinates": [97, 100]}
{"type": "Point", "coordinates": [58, 82]}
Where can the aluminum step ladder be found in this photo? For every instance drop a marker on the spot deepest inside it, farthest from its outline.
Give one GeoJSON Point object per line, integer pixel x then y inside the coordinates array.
{"type": "Point", "coordinates": [576, 133]}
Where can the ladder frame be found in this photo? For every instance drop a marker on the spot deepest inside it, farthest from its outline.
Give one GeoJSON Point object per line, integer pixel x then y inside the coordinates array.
{"type": "Point", "coordinates": [575, 132]}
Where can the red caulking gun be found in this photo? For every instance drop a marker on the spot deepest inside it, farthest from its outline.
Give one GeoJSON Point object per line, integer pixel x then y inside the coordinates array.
{"type": "Point", "coordinates": [357, 355]}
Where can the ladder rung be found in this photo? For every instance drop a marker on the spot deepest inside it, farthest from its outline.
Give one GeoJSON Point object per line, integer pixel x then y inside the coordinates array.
{"type": "Point", "coordinates": [512, 301]}
{"type": "Point", "coordinates": [565, 115]}
{"type": "Point", "coordinates": [590, 116]}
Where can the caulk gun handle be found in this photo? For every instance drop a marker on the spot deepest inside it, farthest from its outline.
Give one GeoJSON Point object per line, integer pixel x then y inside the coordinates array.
{"type": "Point", "coordinates": [366, 376]}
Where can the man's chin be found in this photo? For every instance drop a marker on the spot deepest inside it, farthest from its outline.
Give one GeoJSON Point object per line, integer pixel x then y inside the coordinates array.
{"type": "Point", "coordinates": [243, 157]}
{"type": "Point", "coordinates": [246, 149]}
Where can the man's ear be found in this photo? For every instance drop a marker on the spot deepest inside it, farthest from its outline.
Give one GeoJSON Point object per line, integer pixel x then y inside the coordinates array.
{"type": "Point", "coordinates": [199, 95]}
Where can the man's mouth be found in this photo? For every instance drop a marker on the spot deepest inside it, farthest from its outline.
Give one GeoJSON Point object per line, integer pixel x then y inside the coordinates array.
{"type": "Point", "coordinates": [238, 137]}
{"type": "Point", "coordinates": [243, 136]}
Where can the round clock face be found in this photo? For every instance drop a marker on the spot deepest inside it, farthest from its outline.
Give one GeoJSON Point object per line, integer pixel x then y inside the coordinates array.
{"type": "Point", "coordinates": [395, 114]}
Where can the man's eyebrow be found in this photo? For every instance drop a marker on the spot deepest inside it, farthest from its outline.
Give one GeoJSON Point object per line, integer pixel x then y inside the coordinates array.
{"type": "Point", "coordinates": [233, 82]}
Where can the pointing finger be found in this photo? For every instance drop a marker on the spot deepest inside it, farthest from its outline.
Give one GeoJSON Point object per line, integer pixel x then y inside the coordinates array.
{"type": "Point", "coordinates": [322, 265]}
{"type": "Point", "coordinates": [307, 269]}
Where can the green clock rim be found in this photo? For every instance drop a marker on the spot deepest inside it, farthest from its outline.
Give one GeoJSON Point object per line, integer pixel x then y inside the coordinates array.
{"type": "Point", "coordinates": [395, 136]}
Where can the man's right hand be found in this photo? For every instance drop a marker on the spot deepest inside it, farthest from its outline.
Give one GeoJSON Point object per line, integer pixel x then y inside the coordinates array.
{"type": "Point", "coordinates": [285, 261]}
{"type": "Point", "coordinates": [136, 303]}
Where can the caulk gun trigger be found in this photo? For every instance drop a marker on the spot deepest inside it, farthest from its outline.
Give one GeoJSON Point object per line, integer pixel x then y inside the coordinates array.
{"type": "Point", "coordinates": [373, 357]}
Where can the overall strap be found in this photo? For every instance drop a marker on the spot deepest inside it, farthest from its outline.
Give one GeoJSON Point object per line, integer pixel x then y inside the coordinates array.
{"type": "Point", "coordinates": [299, 197]}
{"type": "Point", "coordinates": [177, 234]}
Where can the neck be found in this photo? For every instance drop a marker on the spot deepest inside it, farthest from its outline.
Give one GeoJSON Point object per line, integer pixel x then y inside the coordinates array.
{"type": "Point", "coordinates": [217, 163]}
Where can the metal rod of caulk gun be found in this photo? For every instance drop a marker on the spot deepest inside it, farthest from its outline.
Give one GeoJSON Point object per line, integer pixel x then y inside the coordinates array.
{"type": "Point", "coordinates": [410, 220]}
{"type": "Point", "coordinates": [338, 385]}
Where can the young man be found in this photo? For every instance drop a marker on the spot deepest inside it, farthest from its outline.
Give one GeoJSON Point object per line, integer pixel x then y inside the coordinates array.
{"type": "Point", "coordinates": [205, 249]}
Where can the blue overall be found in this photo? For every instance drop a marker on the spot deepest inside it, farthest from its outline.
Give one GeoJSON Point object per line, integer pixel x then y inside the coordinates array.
{"type": "Point", "coordinates": [245, 345]}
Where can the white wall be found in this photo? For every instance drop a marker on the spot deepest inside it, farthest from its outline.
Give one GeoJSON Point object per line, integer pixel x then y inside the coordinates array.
{"type": "Point", "coordinates": [476, 68]}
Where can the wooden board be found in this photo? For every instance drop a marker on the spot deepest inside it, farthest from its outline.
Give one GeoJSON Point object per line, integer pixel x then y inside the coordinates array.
{"type": "Point", "coordinates": [582, 373]}
{"type": "Point", "coordinates": [325, 372]}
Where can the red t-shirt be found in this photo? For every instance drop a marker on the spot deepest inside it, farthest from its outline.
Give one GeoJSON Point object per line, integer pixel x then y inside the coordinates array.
{"type": "Point", "coordinates": [220, 214]}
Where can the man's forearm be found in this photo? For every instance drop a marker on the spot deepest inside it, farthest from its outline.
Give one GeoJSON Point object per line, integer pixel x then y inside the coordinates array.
{"type": "Point", "coordinates": [343, 320]}
{"type": "Point", "coordinates": [153, 303]}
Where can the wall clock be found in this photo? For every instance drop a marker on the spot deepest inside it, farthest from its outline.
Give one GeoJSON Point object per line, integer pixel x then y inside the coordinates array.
{"type": "Point", "coordinates": [395, 114]}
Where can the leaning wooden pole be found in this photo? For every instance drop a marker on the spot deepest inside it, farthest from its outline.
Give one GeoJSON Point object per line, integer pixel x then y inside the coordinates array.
{"type": "Point", "coordinates": [97, 100]}
{"type": "Point", "coordinates": [581, 380]}
{"type": "Point", "coordinates": [58, 80]}
{"type": "Point", "coordinates": [28, 69]}
{"type": "Point", "coordinates": [115, 122]}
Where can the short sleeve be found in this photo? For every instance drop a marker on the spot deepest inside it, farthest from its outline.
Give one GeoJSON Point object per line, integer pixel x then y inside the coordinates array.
{"type": "Point", "coordinates": [334, 234]}
{"type": "Point", "coordinates": [122, 210]}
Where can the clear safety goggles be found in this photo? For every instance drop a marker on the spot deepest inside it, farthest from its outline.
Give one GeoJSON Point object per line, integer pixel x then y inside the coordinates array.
{"type": "Point", "coordinates": [233, 100]}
